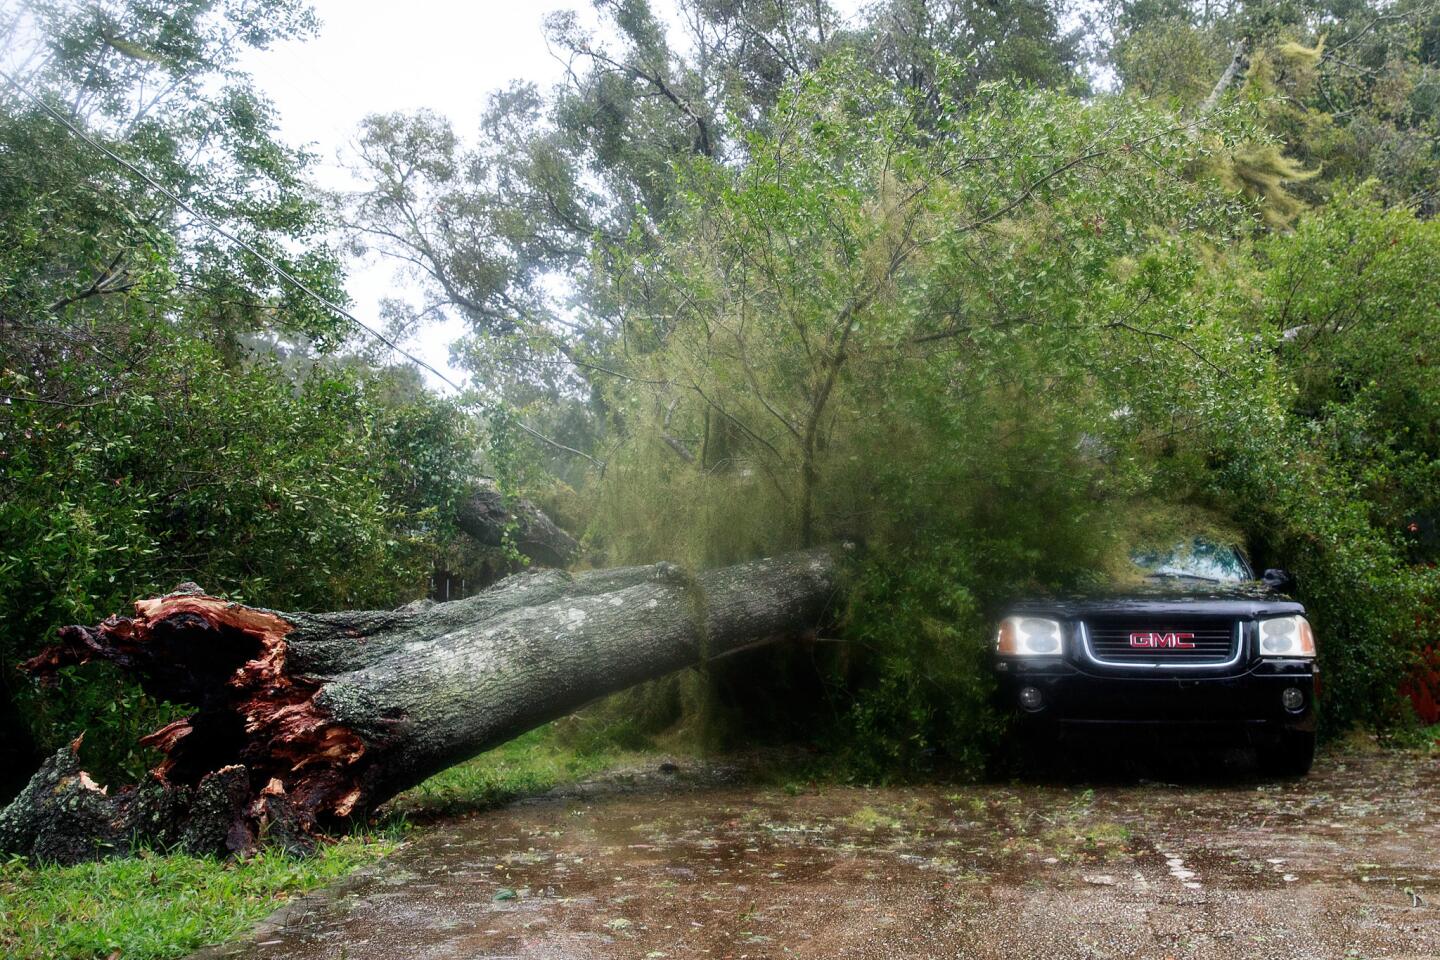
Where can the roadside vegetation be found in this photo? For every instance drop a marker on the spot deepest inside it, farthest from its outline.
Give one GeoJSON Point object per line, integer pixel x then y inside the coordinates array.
{"type": "Point", "coordinates": [158, 905]}
{"type": "Point", "coordinates": [530, 764]}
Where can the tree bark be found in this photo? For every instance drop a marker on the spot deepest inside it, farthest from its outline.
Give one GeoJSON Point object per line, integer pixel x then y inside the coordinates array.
{"type": "Point", "coordinates": [487, 518]}
{"type": "Point", "coordinates": [1234, 71]}
{"type": "Point", "coordinates": [306, 720]}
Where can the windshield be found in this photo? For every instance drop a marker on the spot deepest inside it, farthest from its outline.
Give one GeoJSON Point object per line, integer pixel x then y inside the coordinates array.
{"type": "Point", "coordinates": [1199, 559]}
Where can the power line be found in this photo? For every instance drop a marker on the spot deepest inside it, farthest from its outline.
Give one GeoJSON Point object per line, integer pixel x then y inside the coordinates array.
{"type": "Point", "coordinates": [274, 267]}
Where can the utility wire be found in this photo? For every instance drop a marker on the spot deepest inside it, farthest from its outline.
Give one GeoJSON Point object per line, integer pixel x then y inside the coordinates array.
{"type": "Point", "coordinates": [275, 268]}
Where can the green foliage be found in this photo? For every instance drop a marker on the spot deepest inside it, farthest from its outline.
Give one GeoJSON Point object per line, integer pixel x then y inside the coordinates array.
{"type": "Point", "coordinates": [1355, 290]}
{"type": "Point", "coordinates": [1349, 489]}
{"type": "Point", "coordinates": [1263, 173]}
{"type": "Point", "coordinates": [920, 673]}
{"type": "Point", "coordinates": [992, 371]}
{"type": "Point", "coordinates": [1357, 590]}
{"type": "Point", "coordinates": [1347, 90]}
{"type": "Point", "coordinates": [867, 335]}
{"type": "Point", "coordinates": [157, 906]}
{"type": "Point", "coordinates": [837, 296]}
{"type": "Point", "coordinates": [1169, 60]}
{"type": "Point", "coordinates": [317, 495]}
{"type": "Point", "coordinates": [157, 86]}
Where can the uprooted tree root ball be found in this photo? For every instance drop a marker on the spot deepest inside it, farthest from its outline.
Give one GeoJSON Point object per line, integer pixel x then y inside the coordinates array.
{"type": "Point", "coordinates": [303, 721]}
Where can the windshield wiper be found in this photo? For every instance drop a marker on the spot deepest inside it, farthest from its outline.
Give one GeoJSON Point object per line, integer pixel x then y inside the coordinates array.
{"type": "Point", "coordinates": [1188, 576]}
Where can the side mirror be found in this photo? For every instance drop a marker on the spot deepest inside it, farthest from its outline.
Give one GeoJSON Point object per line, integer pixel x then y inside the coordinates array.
{"type": "Point", "coordinates": [1279, 579]}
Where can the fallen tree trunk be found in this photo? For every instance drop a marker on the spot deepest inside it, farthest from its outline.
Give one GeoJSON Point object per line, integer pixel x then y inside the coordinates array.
{"type": "Point", "coordinates": [305, 720]}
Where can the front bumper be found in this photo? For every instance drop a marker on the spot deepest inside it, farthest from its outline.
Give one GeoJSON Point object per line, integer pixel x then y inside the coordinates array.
{"type": "Point", "coordinates": [1245, 702]}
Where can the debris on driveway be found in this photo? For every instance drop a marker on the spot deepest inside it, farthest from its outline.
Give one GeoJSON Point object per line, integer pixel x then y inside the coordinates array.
{"type": "Point", "coordinates": [1342, 863]}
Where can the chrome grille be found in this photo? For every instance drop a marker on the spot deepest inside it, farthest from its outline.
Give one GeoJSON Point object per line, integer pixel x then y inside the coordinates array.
{"type": "Point", "coordinates": [1175, 641]}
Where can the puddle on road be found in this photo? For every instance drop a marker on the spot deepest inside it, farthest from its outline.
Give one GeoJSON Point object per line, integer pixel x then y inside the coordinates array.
{"type": "Point", "coordinates": [1343, 860]}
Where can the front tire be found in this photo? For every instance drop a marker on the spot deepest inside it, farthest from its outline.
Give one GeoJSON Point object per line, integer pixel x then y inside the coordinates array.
{"type": "Point", "coordinates": [1290, 757]}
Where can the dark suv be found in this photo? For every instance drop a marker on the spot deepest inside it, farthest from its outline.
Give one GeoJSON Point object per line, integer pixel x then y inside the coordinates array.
{"type": "Point", "coordinates": [1198, 647]}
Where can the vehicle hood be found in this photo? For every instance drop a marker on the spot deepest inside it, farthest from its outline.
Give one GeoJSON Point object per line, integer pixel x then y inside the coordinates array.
{"type": "Point", "coordinates": [1166, 598]}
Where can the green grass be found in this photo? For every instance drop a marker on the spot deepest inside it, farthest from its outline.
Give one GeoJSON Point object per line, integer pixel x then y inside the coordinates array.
{"type": "Point", "coordinates": [157, 905]}
{"type": "Point", "coordinates": [533, 763]}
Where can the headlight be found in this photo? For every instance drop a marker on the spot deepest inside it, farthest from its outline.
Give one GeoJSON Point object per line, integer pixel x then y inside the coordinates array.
{"type": "Point", "coordinates": [1287, 637]}
{"type": "Point", "coordinates": [1029, 637]}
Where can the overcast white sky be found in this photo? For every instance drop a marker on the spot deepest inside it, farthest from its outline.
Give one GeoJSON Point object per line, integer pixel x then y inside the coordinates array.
{"type": "Point", "coordinates": [374, 56]}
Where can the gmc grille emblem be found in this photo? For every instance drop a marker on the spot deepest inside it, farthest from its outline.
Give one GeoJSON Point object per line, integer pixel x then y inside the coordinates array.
{"type": "Point", "coordinates": [1150, 640]}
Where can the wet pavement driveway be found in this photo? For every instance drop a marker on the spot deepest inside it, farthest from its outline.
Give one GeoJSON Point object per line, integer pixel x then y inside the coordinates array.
{"type": "Point", "coordinates": [1345, 863]}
